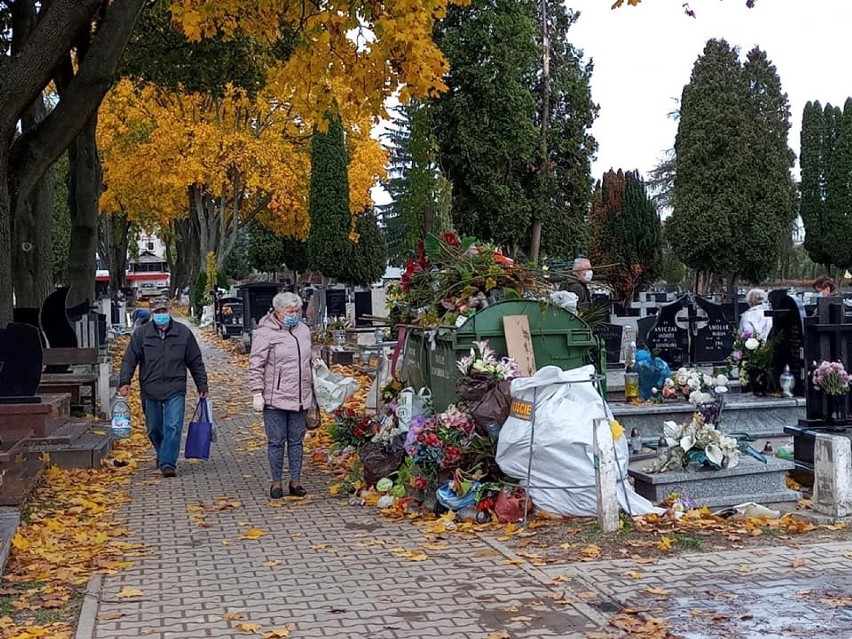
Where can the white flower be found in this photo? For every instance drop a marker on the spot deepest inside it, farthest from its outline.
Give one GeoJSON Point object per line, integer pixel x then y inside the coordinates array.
{"type": "Point", "coordinates": [752, 343]}
{"type": "Point", "coordinates": [672, 431]}
{"type": "Point", "coordinates": [714, 454]}
{"type": "Point", "coordinates": [707, 379]}
{"type": "Point", "coordinates": [694, 383]}
{"type": "Point", "coordinates": [682, 377]}
{"type": "Point", "coordinates": [669, 383]}
{"type": "Point", "coordinates": [687, 442]}
{"type": "Point", "coordinates": [721, 380]}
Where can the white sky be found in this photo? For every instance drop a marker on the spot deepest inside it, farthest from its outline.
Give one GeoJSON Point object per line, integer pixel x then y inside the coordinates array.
{"type": "Point", "coordinates": [643, 56]}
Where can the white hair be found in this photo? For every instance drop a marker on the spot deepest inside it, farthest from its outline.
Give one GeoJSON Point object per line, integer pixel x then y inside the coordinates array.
{"type": "Point", "coordinates": [284, 301]}
{"type": "Point", "coordinates": [582, 264]}
{"type": "Point", "coordinates": [756, 296]}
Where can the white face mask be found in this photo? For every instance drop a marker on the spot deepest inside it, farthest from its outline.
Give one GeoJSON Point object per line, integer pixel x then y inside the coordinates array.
{"type": "Point", "coordinates": [588, 275]}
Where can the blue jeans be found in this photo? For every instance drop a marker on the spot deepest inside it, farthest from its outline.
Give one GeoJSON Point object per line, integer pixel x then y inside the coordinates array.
{"type": "Point", "coordinates": [164, 420]}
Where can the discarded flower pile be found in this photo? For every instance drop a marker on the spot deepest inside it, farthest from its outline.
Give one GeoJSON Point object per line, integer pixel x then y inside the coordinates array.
{"type": "Point", "coordinates": [452, 278]}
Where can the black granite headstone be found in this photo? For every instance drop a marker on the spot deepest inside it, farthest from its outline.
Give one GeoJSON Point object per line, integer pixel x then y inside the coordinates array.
{"type": "Point", "coordinates": [257, 301]}
{"type": "Point", "coordinates": [363, 306]}
{"type": "Point", "coordinates": [54, 320]}
{"type": "Point", "coordinates": [788, 336]}
{"type": "Point", "coordinates": [643, 327]}
{"type": "Point", "coordinates": [669, 335]}
{"type": "Point", "coordinates": [20, 364]}
{"type": "Point", "coordinates": [714, 341]}
{"type": "Point", "coordinates": [611, 335]}
{"type": "Point", "coordinates": [29, 316]}
{"type": "Point", "coordinates": [335, 302]}
{"type": "Point", "coordinates": [75, 313]}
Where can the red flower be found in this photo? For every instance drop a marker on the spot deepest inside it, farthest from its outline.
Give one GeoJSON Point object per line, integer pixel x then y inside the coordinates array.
{"type": "Point", "coordinates": [420, 483]}
{"type": "Point", "coordinates": [450, 239]}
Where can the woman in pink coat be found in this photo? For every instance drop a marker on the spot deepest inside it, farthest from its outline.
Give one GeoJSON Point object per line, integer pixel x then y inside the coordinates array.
{"type": "Point", "coordinates": [280, 375]}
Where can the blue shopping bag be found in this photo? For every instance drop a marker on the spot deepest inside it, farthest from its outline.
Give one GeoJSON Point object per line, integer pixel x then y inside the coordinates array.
{"type": "Point", "coordinates": [200, 433]}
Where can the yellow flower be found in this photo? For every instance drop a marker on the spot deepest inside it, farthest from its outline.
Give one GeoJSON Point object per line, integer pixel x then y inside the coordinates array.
{"type": "Point", "coordinates": [617, 430]}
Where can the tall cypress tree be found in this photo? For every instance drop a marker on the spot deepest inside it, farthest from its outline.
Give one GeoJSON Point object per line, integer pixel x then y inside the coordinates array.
{"type": "Point", "coordinates": [732, 190]}
{"type": "Point", "coordinates": [768, 221]}
{"type": "Point", "coordinates": [812, 200]}
{"type": "Point", "coordinates": [838, 202]}
{"type": "Point", "coordinates": [331, 221]}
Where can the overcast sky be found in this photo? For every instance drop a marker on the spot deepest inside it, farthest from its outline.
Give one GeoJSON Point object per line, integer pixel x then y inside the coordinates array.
{"type": "Point", "coordinates": [643, 56]}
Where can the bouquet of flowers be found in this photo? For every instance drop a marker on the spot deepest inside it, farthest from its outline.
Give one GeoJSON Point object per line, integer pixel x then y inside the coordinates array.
{"type": "Point", "coordinates": [752, 356]}
{"type": "Point", "coordinates": [696, 441]}
{"type": "Point", "coordinates": [831, 378]}
{"type": "Point", "coordinates": [695, 386]}
{"type": "Point", "coordinates": [441, 442]}
{"type": "Point", "coordinates": [351, 430]}
{"type": "Point", "coordinates": [483, 361]}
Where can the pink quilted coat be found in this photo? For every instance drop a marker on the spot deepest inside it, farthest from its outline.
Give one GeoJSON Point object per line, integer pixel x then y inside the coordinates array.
{"type": "Point", "coordinates": [280, 364]}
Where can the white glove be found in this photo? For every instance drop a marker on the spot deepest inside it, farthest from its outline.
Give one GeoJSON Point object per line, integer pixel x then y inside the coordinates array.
{"type": "Point", "coordinates": [257, 402]}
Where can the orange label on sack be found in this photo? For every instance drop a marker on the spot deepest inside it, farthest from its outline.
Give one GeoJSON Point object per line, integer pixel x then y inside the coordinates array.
{"type": "Point", "coordinates": [521, 410]}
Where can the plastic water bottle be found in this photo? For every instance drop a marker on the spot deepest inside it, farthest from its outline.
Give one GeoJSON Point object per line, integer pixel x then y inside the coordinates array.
{"type": "Point", "coordinates": [120, 419]}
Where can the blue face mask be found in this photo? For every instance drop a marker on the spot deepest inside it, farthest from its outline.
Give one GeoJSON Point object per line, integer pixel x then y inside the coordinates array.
{"type": "Point", "coordinates": [290, 320]}
{"type": "Point", "coordinates": [161, 319]}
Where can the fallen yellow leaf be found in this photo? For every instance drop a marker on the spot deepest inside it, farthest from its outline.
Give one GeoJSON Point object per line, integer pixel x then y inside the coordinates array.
{"type": "Point", "coordinates": [634, 575]}
{"type": "Point", "coordinates": [248, 627]}
{"type": "Point", "coordinates": [798, 562]}
{"type": "Point", "coordinates": [665, 543]}
{"type": "Point", "coordinates": [254, 533]}
{"type": "Point", "coordinates": [278, 633]}
{"type": "Point", "coordinates": [498, 635]}
{"type": "Point", "coordinates": [271, 563]}
{"type": "Point", "coordinates": [232, 616]}
{"type": "Point", "coordinates": [656, 591]}
{"type": "Point", "coordinates": [127, 592]}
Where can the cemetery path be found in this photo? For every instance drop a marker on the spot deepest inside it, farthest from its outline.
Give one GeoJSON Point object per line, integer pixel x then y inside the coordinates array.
{"type": "Point", "coordinates": [224, 560]}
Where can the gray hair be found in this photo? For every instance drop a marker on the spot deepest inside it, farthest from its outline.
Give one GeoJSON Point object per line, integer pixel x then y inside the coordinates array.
{"type": "Point", "coordinates": [283, 301]}
{"type": "Point", "coordinates": [756, 296]}
{"type": "Point", "coordinates": [582, 264]}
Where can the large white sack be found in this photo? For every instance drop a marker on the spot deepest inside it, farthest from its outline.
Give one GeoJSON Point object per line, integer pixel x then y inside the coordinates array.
{"type": "Point", "coordinates": [563, 452]}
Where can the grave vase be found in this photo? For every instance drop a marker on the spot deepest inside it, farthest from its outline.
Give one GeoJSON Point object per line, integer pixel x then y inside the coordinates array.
{"type": "Point", "coordinates": [758, 382]}
{"type": "Point", "coordinates": [836, 411]}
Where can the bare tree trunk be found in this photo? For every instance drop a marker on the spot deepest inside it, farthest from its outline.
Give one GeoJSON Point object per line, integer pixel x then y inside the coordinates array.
{"type": "Point", "coordinates": [544, 168]}
{"type": "Point", "coordinates": [84, 167]}
{"type": "Point", "coordinates": [5, 237]}
{"type": "Point", "coordinates": [113, 242]}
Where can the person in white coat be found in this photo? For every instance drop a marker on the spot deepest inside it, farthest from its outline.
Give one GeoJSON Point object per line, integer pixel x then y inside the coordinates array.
{"type": "Point", "coordinates": [753, 320]}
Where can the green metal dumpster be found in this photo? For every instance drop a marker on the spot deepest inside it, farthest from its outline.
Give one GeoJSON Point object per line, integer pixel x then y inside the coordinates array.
{"type": "Point", "coordinates": [559, 338]}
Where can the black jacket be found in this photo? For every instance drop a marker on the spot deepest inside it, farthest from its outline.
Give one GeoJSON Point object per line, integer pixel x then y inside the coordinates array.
{"type": "Point", "coordinates": [581, 290]}
{"type": "Point", "coordinates": [163, 358]}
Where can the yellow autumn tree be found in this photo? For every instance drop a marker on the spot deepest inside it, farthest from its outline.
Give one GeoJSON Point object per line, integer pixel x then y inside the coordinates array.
{"type": "Point", "coordinates": [197, 167]}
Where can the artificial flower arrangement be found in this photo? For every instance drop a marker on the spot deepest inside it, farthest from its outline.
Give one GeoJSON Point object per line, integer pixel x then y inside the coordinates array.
{"type": "Point", "coordinates": [831, 378]}
{"type": "Point", "coordinates": [693, 385]}
{"type": "Point", "coordinates": [441, 443]}
{"type": "Point", "coordinates": [752, 357]}
{"type": "Point", "coordinates": [696, 441]}
{"type": "Point", "coordinates": [483, 361]}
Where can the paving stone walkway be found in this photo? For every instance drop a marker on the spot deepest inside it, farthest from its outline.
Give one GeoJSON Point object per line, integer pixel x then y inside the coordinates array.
{"type": "Point", "coordinates": [328, 569]}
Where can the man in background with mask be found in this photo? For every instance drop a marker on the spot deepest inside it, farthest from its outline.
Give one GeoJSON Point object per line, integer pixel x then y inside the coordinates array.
{"type": "Point", "coordinates": [164, 350]}
{"type": "Point", "coordinates": [583, 270]}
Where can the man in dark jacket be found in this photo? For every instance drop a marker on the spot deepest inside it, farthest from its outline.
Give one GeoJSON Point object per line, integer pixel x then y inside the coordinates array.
{"type": "Point", "coordinates": [583, 270]}
{"type": "Point", "coordinates": [163, 349]}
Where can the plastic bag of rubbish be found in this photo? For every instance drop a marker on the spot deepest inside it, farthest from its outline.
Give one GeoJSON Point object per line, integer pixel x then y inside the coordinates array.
{"type": "Point", "coordinates": [748, 510]}
{"type": "Point", "coordinates": [565, 300]}
{"type": "Point", "coordinates": [448, 498]}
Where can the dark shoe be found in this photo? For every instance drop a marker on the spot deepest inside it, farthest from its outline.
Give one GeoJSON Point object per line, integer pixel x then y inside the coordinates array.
{"type": "Point", "coordinates": [276, 492]}
{"type": "Point", "coordinates": [168, 471]}
{"type": "Point", "coordinates": [297, 491]}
